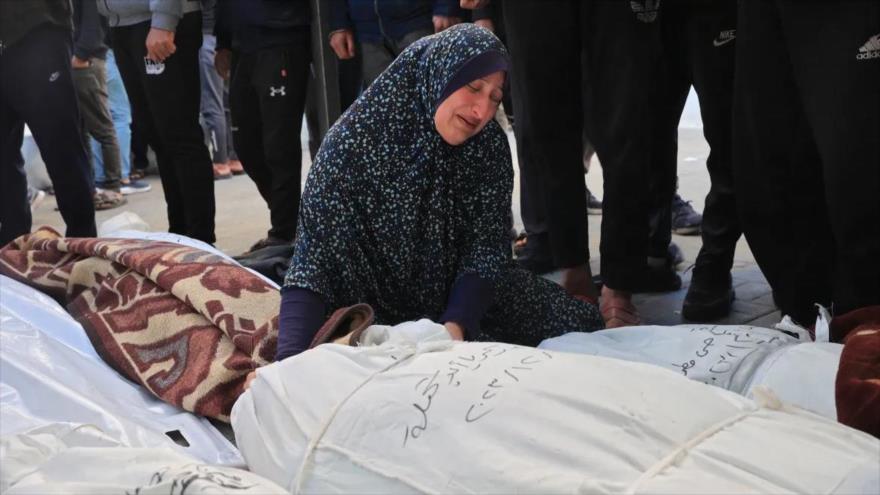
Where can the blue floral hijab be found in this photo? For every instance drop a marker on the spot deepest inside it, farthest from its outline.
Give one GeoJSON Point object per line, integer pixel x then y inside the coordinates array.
{"type": "Point", "coordinates": [391, 214]}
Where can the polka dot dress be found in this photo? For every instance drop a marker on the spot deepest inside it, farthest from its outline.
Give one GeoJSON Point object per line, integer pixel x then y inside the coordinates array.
{"type": "Point", "coordinates": [392, 215]}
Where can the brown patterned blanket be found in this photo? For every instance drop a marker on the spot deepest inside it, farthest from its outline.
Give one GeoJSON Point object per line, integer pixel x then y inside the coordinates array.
{"type": "Point", "coordinates": [186, 324]}
{"type": "Point", "coordinates": [857, 388]}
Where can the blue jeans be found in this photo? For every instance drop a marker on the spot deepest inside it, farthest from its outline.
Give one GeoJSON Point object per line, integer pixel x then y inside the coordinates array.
{"type": "Point", "coordinates": [120, 111]}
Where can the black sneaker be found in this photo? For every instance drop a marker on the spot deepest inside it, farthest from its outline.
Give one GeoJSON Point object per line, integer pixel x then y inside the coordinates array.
{"type": "Point", "coordinates": [708, 298]}
{"type": "Point", "coordinates": [658, 279]}
{"type": "Point", "coordinates": [594, 206]}
{"type": "Point", "coordinates": [685, 221]}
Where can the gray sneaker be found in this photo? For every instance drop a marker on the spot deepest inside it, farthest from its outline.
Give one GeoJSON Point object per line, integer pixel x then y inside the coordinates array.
{"type": "Point", "coordinates": [685, 220]}
{"type": "Point", "coordinates": [134, 187]}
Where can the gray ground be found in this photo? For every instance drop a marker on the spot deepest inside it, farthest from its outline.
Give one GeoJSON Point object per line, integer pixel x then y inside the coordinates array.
{"type": "Point", "coordinates": [242, 218]}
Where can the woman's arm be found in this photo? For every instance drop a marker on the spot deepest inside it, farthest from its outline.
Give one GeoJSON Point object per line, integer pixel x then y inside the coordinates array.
{"type": "Point", "coordinates": [302, 314]}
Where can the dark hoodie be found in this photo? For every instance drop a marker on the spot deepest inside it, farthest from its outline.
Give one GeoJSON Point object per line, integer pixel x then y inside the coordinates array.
{"type": "Point", "coordinates": [89, 30]}
{"type": "Point", "coordinates": [251, 25]}
{"type": "Point", "coordinates": [19, 17]}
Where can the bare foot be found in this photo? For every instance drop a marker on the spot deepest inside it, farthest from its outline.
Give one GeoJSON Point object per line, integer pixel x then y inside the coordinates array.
{"type": "Point", "coordinates": [617, 308]}
{"type": "Point", "coordinates": [578, 281]}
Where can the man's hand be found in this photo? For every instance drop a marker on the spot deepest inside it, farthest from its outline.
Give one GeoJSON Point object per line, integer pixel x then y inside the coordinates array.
{"type": "Point", "coordinates": [486, 23]}
{"type": "Point", "coordinates": [342, 42]}
{"type": "Point", "coordinates": [473, 4]}
{"type": "Point", "coordinates": [160, 44]}
{"type": "Point", "coordinates": [223, 62]}
{"type": "Point", "coordinates": [455, 330]}
{"type": "Point", "coordinates": [78, 63]}
{"type": "Point", "coordinates": [442, 22]}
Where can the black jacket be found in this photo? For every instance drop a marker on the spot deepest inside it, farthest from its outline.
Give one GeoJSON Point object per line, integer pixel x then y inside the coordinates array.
{"type": "Point", "coordinates": [89, 30]}
{"type": "Point", "coordinates": [20, 17]}
{"type": "Point", "coordinates": [250, 25]}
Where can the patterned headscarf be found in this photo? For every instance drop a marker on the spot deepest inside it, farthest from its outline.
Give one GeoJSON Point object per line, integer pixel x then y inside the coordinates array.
{"type": "Point", "coordinates": [391, 214]}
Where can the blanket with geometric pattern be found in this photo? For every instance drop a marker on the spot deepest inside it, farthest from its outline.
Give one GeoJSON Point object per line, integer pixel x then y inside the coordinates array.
{"type": "Point", "coordinates": [186, 324]}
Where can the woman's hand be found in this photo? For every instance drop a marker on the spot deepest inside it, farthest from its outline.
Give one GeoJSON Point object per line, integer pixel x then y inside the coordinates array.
{"type": "Point", "coordinates": [455, 330]}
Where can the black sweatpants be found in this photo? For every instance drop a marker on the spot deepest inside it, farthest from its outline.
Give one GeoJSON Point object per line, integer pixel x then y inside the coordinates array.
{"type": "Point", "coordinates": [699, 48]}
{"type": "Point", "coordinates": [36, 88]}
{"type": "Point", "coordinates": [267, 97]}
{"type": "Point", "coordinates": [609, 52]}
{"type": "Point", "coordinates": [807, 149]}
{"type": "Point", "coordinates": [165, 100]}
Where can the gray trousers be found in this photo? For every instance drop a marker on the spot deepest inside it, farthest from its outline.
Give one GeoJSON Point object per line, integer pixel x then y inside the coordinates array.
{"type": "Point", "coordinates": [94, 107]}
{"type": "Point", "coordinates": [378, 56]}
{"type": "Point", "coordinates": [212, 107]}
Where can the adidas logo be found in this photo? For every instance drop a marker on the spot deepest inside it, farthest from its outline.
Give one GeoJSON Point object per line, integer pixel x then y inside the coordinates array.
{"type": "Point", "coordinates": [871, 49]}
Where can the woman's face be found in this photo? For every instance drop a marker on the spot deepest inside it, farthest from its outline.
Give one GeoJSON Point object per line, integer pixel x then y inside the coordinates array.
{"type": "Point", "coordinates": [465, 112]}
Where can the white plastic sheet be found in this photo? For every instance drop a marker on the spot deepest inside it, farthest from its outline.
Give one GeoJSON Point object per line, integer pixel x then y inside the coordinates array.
{"type": "Point", "coordinates": [442, 417]}
{"type": "Point", "coordinates": [68, 458]}
{"type": "Point", "coordinates": [738, 358]}
{"type": "Point", "coordinates": [50, 372]}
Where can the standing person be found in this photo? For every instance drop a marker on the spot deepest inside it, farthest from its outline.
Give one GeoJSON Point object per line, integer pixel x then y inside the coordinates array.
{"type": "Point", "coordinates": [156, 43]}
{"type": "Point", "coordinates": [594, 56]}
{"type": "Point", "coordinates": [120, 111]}
{"type": "Point", "coordinates": [90, 80]}
{"type": "Point", "coordinates": [268, 46]}
{"type": "Point", "coordinates": [407, 208]}
{"type": "Point", "coordinates": [806, 141]}
{"type": "Point", "coordinates": [384, 29]}
{"type": "Point", "coordinates": [36, 88]}
{"type": "Point", "coordinates": [699, 44]}
{"type": "Point", "coordinates": [212, 107]}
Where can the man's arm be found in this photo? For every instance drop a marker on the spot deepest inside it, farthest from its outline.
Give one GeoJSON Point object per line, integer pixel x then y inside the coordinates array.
{"type": "Point", "coordinates": [166, 14]}
{"type": "Point", "coordinates": [88, 32]}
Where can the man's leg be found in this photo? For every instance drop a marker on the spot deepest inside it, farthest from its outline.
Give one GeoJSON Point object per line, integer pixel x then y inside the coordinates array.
{"type": "Point", "coordinates": [375, 58]}
{"type": "Point", "coordinates": [212, 100]}
{"type": "Point", "coordinates": [120, 111]}
{"type": "Point", "coordinates": [247, 123]}
{"type": "Point", "coordinates": [834, 50]}
{"type": "Point", "coordinates": [173, 91]}
{"type": "Point", "coordinates": [623, 51]}
{"type": "Point", "coordinates": [41, 92]}
{"type": "Point", "coordinates": [128, 43]}
{"type": "Point", "coordinates": [547, 102]}
{"type": "Point", "coordinates": [281, 79]}
{"type": "Point", "coordinates": [15, 213]}
{"type": "Point", "coordinates": [777, 167]}
{"type": "Point", "coordinates": [91, 92]}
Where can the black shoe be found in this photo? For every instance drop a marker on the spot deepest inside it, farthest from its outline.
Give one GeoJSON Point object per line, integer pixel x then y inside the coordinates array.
{"type": "Point", "coordinates": [685, 220]}
{"type": "Point", "coordinates": [708, 298]}
{"type": "Point", "coordinates": [674, 255]}
{"type": "Point", "coordinates": [658, 279]}
{"type": "Point", "coordinates": [594, 206]}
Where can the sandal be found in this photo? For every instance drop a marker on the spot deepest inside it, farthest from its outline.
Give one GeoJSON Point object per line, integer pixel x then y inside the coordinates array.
{"type": "Point", "coordinates": [106, 200]}
{"type": "Point", "coordinates": [136, 175]}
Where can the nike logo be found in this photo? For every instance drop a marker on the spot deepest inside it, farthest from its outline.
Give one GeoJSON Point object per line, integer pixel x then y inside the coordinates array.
{"type": "Point", "coordinates": [724, 37]}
